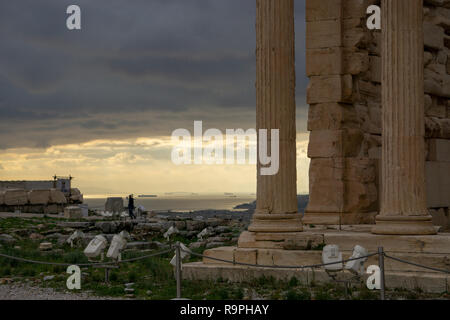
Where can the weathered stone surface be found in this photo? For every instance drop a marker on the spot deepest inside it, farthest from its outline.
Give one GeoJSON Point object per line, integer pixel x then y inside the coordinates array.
{"type": "Point", "coordinates": [73, 212]}
{"type": "Point", "coordinates": [325, 89]}
{"type": "Point", "coordinates": [392, 244]}
{"type": "Point", "coordinates": [428, 282]}
{"type": "Point", "coordinates": [323, 10]}
{"type": "Point", "coordinates": [39, 196]}
{"type": "Point", "coordinates": [323, 34]}
{"type": "Point", "coordinates": [403, 206]}
{"type": "Point", "coordinates": [7, 238]}
{"type": "Point", "coordinates": [434, 36]}
{"type": "Point", "coordinates": [356, 62]}
{"type": "Point", "coordinates": [296, 258]}
{"type": "Point", "coordinates": [368, 91]}
{"type": "Point", "coordinates": [36, 236]}
{"type": "Point", "coordinates": [438, 150]}
{"type": "Point", "coordinates": [331, 116]}
{"type": "Point", "coordinates": [114, 204]}
{"type": "Point", "coordinates": [369, 118]}
{"type": "Point", "coordinates": [245, 255]}
{"type": "Point", "coordinates": [438, 184]}
{"type": "Point", "coordinates": [354, 35]}
{"type": "Point", "coordinates": [441, 217]}
{"type": "Point", "coordinates": [195, 225]}
{"type": "Point", "coordinates": [326, 61]}
{"type": "Point", "coordinates": [108, 226]}
{"type": "Point", "coordinates": [339, 185]}
{"type": "Point", "coordinates": [223, 253]}
{"type": "Point", "coordinates": [76, 195]}
{"type": "Point", "coordinates": [437, 128]}
{"type": "Point", "coordinates": [248, 240]}
{"type": "Point", "coordinates": [335, 143]}
{"type": "Point", "coordinates": [279, 240]}
{"type": "Point", "coordinates": [276, 203]}
{"type": "Point", "coordinates": [16, 197]}
{"type": "Point", "coordinates": [356, 8]}
{"type": "Point", "coordinates": [57, 197]}
{"type": "Point", "coordinates": [44, 246]}
{"type": "Point", "coordinates": [375, 69]}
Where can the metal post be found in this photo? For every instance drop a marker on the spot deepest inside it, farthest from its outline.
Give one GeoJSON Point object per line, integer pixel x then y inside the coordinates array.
{"type": "Point", "coordinates": [381, 265]}
{"type": "Point", "coordinates": [178, 269]}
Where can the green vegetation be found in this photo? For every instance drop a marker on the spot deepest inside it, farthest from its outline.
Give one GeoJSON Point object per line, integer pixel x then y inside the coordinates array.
{"type": "Point", "coordinates": [153, 278]}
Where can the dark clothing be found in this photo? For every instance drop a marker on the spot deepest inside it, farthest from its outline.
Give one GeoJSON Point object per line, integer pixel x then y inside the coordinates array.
{"type": "Point", "coordinates": [131, 213]}
{"type": "Point", "coordinates": [131, 207]}
{"type": "Point", "coordinates": [130, 203]}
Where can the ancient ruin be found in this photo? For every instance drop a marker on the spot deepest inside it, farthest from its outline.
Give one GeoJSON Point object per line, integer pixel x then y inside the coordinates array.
{"type": "Point", "coordinates": [47, 196]}
{"type": "Point", "coordinates": [379, 144]}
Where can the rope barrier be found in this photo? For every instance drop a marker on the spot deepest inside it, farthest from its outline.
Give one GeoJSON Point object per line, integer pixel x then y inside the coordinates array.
{"type": "Point", "coordinates": [279, 267]}
{"type": "Point", "coordinates": [315, 265]}
{"type": "Point", "coordinates": [416, 264]}
{"type": "Point", "coordinates": [220, 260]}
{"type": "Point", "coordinates": [85, 264]}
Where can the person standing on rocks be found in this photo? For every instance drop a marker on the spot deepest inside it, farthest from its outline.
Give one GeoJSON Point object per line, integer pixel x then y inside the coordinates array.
{"type": "Point", "coordinates": [131, 206]}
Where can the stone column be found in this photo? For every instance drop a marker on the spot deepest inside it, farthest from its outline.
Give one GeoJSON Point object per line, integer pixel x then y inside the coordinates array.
{"type": "Point", "coordinates": [403, 200]}
{"type": "Point", "coordinates": [276, 209]}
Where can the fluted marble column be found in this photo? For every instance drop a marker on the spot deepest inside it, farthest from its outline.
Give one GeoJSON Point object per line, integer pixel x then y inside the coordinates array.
{"type": "Point", "coordinates": [276, 209]}
{"type": "Point", "coordinates": [403, 199]}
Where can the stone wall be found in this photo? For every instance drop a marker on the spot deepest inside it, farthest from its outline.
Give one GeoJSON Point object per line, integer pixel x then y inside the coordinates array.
{"type": "Point", "coordinates": [344, 66]}
{"type": "Point", "coordinates": [26, 185]}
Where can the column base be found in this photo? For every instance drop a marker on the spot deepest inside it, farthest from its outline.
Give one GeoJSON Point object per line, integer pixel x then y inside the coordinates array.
{"type": "Point", "coordinates": [336, 218]}
{"type": "Point", "coordinates": [279, 240]}
{"type": "Point", "coordinates": [274, 222]}
{"type": "Point", "coordinates": [404, 225]}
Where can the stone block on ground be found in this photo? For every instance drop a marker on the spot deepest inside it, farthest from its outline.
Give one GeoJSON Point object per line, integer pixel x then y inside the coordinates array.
{"type": "Point", "coordinates": [73, 212]}
{"type": "Point", "coordinates": [114, 205]}
{"type": "Point", "coordinates": [223, 253]}
{"type": "Point", "coordinates": [44, 246]}
{"type": "Point", "coordinates": [108, 226]}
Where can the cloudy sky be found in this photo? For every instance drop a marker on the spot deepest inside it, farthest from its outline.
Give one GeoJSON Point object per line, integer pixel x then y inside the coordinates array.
{"type": "Point", "coordinates": [101, 103]}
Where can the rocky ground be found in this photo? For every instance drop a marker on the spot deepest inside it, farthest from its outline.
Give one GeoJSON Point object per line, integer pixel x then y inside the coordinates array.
{"type": "Point", "coordinates": [44, 238]}
{"type": "Point", "coordinates": [200, 229]}
{"type": "Point", "coordinates": [21, 291]}
{"type": "Point", "coordinates": [152, 278]}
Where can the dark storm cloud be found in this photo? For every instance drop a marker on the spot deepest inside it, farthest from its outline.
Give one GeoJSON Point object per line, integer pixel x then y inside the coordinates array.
{"type": "Point", "coordinates": [160, 58]}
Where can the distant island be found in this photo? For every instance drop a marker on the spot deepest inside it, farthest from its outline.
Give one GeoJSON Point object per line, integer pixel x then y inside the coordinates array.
{"type": "Point", "coordinates": [147, 196]}
{"type": "Point", "coordinates": [229, 194]}
{"type": "Point", "coordinates": [302, 202]}
{"type": "Point", "coordinates": [181, 194]}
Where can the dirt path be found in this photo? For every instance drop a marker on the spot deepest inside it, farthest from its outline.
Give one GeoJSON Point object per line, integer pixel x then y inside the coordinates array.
{"type": "Point", "coordinates": [20, 291]}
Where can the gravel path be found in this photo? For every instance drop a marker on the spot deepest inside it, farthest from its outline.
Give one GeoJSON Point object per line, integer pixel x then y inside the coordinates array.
{"type": "Point", "coordinates": [20, 291]}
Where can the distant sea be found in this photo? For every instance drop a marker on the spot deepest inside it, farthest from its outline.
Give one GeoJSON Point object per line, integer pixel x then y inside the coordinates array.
{"type": "Point", "coordinates": [180, 203]}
